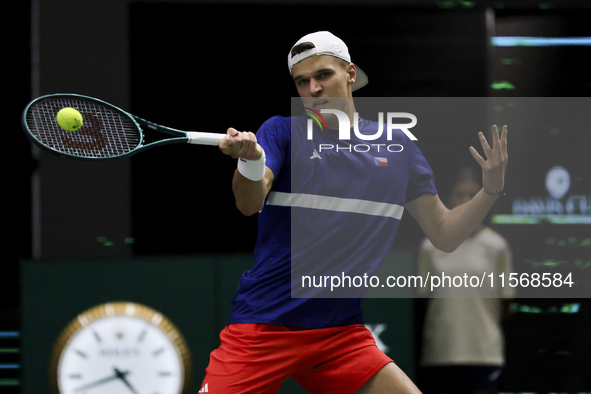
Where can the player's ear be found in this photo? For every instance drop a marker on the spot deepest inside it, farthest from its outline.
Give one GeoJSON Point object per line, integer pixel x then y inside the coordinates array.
{"type": "Point", "coordinates": [352, 72]}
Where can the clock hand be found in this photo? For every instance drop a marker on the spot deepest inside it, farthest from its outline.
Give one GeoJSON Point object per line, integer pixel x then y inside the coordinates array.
{"type": "Point", "coordinates": [121, 375]}
{"type": "Point", "coordinates": [97, 383]}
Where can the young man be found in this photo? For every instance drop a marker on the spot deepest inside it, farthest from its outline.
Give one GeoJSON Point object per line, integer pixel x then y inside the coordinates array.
{"type": "Point", "coordinates": [321, 343]}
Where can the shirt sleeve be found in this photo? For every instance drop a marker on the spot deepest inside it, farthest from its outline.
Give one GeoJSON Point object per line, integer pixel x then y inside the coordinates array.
{"type": "Point", "coordinates": [421, 180]}
{"type": "Point", "coordinates": [274, 137]}
{"type": "Point", "coordinates": [425, 265]}
{"type": "Point", "coordinates": [504, 261]}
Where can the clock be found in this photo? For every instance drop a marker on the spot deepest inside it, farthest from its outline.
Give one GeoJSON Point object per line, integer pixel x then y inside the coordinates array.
{"type": "Point", "coordinates": [120, 348]}
{"type": "Point", "coordinates": [557, 182]}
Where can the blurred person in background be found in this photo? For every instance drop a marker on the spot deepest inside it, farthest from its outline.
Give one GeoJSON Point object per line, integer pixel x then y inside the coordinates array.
{"type": "Point", "coordinates": [462, 338]}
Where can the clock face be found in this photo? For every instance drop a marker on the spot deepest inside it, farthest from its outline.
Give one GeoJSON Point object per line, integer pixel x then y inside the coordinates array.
{"type": "Point", "coordinates": [557, 181]}
{"type": "Point", "coordinates": [121, 352]}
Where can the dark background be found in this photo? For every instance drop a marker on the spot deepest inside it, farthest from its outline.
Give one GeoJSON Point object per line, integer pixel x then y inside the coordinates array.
{"type": "Point", "coordinates": [211, 66]}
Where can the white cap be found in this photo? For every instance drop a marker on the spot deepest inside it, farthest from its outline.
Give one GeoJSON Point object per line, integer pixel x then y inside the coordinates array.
{"type": "Point", "coordinates": [326, 43]}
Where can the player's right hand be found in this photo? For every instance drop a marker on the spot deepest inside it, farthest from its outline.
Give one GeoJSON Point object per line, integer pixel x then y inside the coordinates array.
{"type": "Point", "coordinates": [240, 144]}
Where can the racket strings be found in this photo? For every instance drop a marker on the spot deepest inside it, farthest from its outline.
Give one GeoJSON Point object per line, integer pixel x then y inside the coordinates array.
{"type": "Point", "coordinates": [104, 133]}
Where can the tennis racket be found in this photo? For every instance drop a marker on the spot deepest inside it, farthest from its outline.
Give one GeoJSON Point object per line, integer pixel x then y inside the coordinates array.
{"type": "Point", "coordinates": [107, 131]}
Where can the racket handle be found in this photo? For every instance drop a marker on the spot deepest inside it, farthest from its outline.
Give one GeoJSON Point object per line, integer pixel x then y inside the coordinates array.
{"type": "Point", "coordinates": [199, 138]}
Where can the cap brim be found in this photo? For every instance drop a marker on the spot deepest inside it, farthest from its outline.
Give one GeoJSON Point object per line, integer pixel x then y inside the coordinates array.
{"type": "Point", "coordinates": [360, 81]}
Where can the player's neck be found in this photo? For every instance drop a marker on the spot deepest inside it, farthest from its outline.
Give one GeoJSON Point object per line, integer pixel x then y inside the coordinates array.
{"type": "Point", "coordinates": [332, 121]}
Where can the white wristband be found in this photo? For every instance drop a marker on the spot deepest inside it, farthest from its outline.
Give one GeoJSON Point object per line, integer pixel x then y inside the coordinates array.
{"type": "Point", "coordinates": [252, 169]}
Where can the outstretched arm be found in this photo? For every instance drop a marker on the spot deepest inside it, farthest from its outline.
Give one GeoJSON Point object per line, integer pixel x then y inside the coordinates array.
{"type": "Point", "coordinates": [447, 229]}
{"type": "Point", "coordinates": [250, 194]}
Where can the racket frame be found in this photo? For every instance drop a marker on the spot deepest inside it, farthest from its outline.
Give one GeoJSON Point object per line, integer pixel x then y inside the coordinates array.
{"type": "Point", "coordinates": [178, 136]}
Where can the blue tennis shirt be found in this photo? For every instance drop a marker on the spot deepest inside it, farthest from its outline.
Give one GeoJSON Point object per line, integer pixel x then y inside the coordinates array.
{"type": "Point", "coordinates": [334, 208]}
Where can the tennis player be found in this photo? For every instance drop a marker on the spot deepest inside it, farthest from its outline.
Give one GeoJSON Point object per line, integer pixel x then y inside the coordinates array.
{"type": "Point", "coordinates": [343, 205]}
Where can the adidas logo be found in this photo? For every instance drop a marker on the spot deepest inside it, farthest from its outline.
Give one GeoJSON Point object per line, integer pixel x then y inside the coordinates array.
{"type": "Point", "coordinates": [204, 389]}
{"type": "Point", "coordinates": [315, 155]}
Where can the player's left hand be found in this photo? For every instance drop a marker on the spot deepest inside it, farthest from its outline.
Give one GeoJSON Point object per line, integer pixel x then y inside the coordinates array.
{"type": "Point", "coordinates": [493, 168]}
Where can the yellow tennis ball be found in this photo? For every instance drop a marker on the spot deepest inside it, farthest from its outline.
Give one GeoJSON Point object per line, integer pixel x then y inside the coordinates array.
{"type": "Point", "coordinates": [69, 119]}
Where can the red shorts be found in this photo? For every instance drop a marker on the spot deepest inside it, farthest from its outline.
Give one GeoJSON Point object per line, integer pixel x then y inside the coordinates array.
{"type": "Point", "coordinates": [257, 358]}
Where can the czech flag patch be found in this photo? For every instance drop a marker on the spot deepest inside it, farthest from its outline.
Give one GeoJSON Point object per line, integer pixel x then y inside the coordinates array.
{"type": "Point", "coordinates": [381, 161]}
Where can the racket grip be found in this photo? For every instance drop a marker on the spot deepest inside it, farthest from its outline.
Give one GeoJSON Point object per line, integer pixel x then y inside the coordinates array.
{"type": "Point", "coordinates": [199, 138]}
